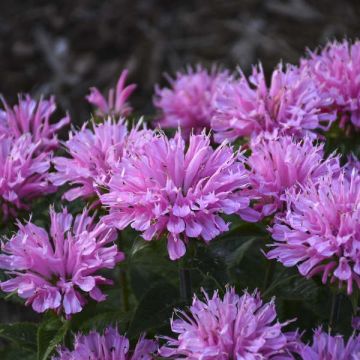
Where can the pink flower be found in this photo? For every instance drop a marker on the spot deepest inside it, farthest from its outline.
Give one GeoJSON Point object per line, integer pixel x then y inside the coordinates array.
{"type": "Point", "coordinates": [23, 173]}
{"type": "Point", "coordinates": [291, 104]}
{"type": "Point", "coordinates": [327, 347]}
{"type": "Point", "coordinates": [116, 103]}
{"type": "Point", "coordinates": [94, 155]}
{"type": "Point", "coordinates": [235, 327]}
{"type": "Point", "coordinates": [280, 162]}
{"type": "Point", "coordinates": [33, 117]}
{"type": "Point", "coordinates": [110, 346]}
{"type": "Point", "coordinates": [57, 272]}
{"type": "Point", "coordinates": [188, 102]}
{"type": "Point", "coordinates": [336, 72]}
{"type": "Point", "coordinates": [320, 230]}
{"type": "Point", "coordinates": [178, 191]}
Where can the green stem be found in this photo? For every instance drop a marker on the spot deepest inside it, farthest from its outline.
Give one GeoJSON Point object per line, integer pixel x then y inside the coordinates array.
{"type": "Point", "coordinates": [269, 275]}
{"type": "Point", "coordinates": [335, 310]}
{"type": "Point", "coordinates": [124, 290]}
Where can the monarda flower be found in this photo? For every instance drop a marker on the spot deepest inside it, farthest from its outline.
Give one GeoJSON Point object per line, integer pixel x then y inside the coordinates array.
{"type": "Point", "coordinates": [188, 102]}
{"type": "Point", "coordinates": [177, 191]}
{"type": "Point", "coordinates": [116, 102]}
{"type": "Point", "coordinates": [32, 117]}
{"type": "Point", "coordinates": [325, 346]}
{"type": "Point", "coordinates": [23, 174]}
{"type": "Point", "coordinates": [94, 154]}
{"type": "Point", "coordinates": [110, 346]}
{"type": "Point", "coordinates": [335, 70]}
{"type": "Point", "coordinates": [57, 271]}
{"type": "Point", "coordinates": [291, 104]}
{"type": "Point", "coordinates": [320, 230]}
{"type": "Point", "coordinates": [235, 327]}
{"type": "Point", "coordinates": [278, 163]}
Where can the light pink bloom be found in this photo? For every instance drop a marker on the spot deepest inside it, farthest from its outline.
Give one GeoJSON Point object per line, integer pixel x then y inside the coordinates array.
{"type": "Point", "coordinates": [57, 272]}
{"type": "Point", "coordinates": [327, 347]}
{"type": "Point", "coordinates": [33, 117]}
{"type": "Point", "coordinates": [336, 71]}
{"type": "Point", "coordinates": [291, 104]}
{"type": "Point", "coordinates": [94, 154]}
{"type": "Point", "coordinates": [110, 346]}
{"type": "Point", "coordinates": [320, 231]}
{"type": "Point", "coordinates": [116, 102]}
{"type": "Point", "coordinates": [23, 173]}
{"type": "Point", "coordinates": [188, 102]}
{"type": "Point", "coordinates": [280, 162]}
{"type": "Point", "coordinates": [235, 327]}
{"type": "Point", "coordinates": [178, 191]}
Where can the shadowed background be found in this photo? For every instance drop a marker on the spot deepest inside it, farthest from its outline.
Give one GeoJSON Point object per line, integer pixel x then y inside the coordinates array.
{"type": "Point", "coordinates": [64, 47]}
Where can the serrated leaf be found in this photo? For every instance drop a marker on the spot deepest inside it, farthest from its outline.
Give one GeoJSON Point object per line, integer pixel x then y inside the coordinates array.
{"type": "Point", "coordinates": [22, 334]}
{"type": "Point", "coordinates": [50, 334]}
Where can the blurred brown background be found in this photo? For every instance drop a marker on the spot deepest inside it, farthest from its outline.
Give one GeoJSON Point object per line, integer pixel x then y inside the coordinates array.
{"type": "Point", "coordinates": [64, 47]}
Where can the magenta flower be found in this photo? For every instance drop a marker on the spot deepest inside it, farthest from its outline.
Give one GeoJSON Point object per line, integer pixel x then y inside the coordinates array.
{"type": "Point", "coordinates": [57, 272]}
{"type": "Point", "coordinates": [327, 347]}
{"type": "Point", "coordinates": [291, 104]}
{"type": "Point", "coordinates": [94, 155]}
{"type": "Point", "coordinates": [177, 191]}
{"type": "Point", "coordinates": [235, 327]}
{"type": "Point", "coordinates": [320, 230]}
{"type": "Point", "coordinates": [280, 162]}
{"type": "Point", "coordinates": [110, 346]}
{"type": "Point", "coordinates": [188, 102]}
{"type": "Point", "coordinates": [335, 70]}
{"type": "Point", "coordinates": [33, 117]}
{"type": "Point", "coordinates": [116, 103]}
{"type": "Point", "coordinates": [23, 173]}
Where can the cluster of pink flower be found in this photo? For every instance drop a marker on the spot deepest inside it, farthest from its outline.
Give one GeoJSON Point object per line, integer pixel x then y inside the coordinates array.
{"type": "Point", "coordinates": [179, 188]}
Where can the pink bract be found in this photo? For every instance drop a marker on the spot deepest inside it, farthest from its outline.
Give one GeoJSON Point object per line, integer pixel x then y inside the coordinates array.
{"type": "Point", "coordinates": [116, 102]}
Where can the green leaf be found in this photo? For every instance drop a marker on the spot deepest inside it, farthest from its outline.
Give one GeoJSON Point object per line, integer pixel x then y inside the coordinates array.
{"type": "Point", "coordinates": [50, 334]}
{"type": "Point", "coordinates": [21, 334]}
{"type": "Point", "coordinates": [154, 309]}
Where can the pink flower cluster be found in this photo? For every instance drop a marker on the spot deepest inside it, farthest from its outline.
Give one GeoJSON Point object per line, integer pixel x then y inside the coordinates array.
{"type": "Point", "coordinates": [291, 104]}
{"type": "Point", "coordinates": [177, 191]}
{"type": "Point", "coordinates": [110, 346]}
{"type": "Point", "coordinates": [320, 230]}
{"type": "Point", "coordinates": [329, 347]}
{"type": "Point", "coordinates": [94, 155]}
{"type": "Point", "coordinates": [27, 141]}
{"type": "Point", "coordinates": [279, 163]}
{"type": "Point", "coordinates": [115, 104]}
{"type": "Point", "coordinates": [189, 102]}
{"type": "Point", "coordinates": [23, 172]}
{"type": "Point", "coordinates": [32, 117]}
{"type": "Point", "coordinates": [56, 272]}
{"type": "Point", "coordinates": [235, 327]}
{"type": "Point", "coordinates": [335, 70]}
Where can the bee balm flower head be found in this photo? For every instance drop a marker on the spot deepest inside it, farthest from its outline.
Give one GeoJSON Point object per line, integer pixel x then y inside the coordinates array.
{"type": "Point", "coordinates": [56, 270]}
{"type": "Point", "coordinates": [235, 327]}
{"type": "Point", "coordinates": [178, 191]}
